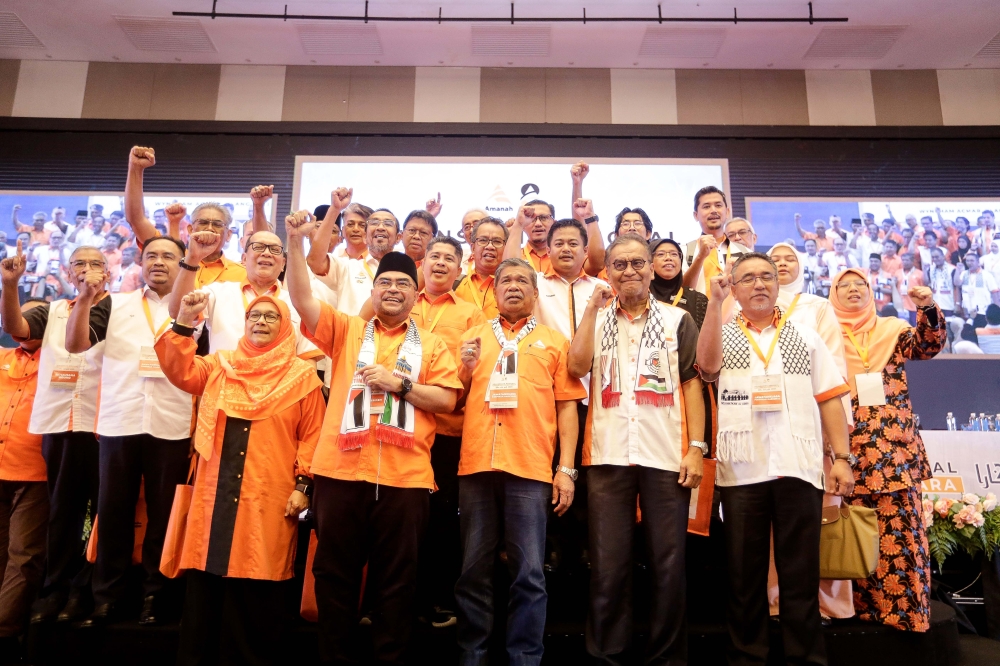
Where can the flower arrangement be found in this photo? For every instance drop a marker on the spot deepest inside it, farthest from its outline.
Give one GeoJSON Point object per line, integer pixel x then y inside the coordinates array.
{"type": "Point", "coordinates": [971, 524]}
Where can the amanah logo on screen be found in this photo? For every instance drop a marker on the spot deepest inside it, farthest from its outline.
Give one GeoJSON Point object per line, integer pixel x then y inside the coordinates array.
{"type": "Point", "coordinates": [498, 203]}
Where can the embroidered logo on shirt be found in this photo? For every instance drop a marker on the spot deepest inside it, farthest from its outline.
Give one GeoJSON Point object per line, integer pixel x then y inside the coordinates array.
{"type": "Point", "coordinates": [734, 397]}
{"type": "Point", "coordinates": [539, 344]}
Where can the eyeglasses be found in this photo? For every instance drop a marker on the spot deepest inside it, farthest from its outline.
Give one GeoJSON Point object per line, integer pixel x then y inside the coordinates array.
{"type": "Point", "coordinates": [202, 223]}
{"type": "Point", "coordinates": [860, 284]}
{"type": "Point", "coordinates": [260, 247]}
{"type": "Point", "coordinates": [743, 233]}
{"type": "Point", "coordinates": [492, 242]}
{"type": "Point", "coordinates": [669, 254]}
{"type": "Point", "coordinates": [637, 264]}
{"type": "Point", "coordinates": [419, 233]}
{"type": "Point", "coordinates": [402, 284]}
{"type": "Point", "coordinates": [269, 317]}
{"type": "Point", "coordinates": [544, 218]}
{"type": "Point", "coordinates": [82, 264]}
{"type": "Point", "coordinates": [388, 224]}
{"type": "Point", "coordinates": [750, 280]}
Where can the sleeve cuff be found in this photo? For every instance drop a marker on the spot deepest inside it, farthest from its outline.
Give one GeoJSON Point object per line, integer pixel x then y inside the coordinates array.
{"type": "Point", "coordinates": [181, 329]}
{"type": "Point", "coordinates": [835, 392]}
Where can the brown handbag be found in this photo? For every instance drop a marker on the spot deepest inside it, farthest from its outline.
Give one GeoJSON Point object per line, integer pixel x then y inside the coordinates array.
{"type": "Point", "coordinates": [173, 542]}
{"type": "Point", "coordinates": [848, 542]}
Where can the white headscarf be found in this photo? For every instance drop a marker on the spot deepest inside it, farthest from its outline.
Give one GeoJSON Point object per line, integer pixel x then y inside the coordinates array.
{"type": "Point", "coordinates": [786, 292]}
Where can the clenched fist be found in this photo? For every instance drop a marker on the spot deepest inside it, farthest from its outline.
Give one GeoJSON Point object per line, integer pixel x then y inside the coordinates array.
{"type": "Point", "coordinates": [921, 296]}
{"type": "Point", "coordinates": [261, 194]}
{"type": "Point", "coordinates": [300, 224]}
{"type": "Point", "coordinates": [141, 157]}
{"type": "Point", "coordinates": [579, 171]}
{"type": "Point", "coordinates": [192, 305]}
{"type": "Point", "coordinates": [341, 197]}
{"type": "Point", "coordinates": [202, 245]}
{"type": "Point", "coordinates": [583, 209]}
{"type": "Point", "coordinates": [706, 244]}
{"type": "Point", "coordinates": [175, 212]}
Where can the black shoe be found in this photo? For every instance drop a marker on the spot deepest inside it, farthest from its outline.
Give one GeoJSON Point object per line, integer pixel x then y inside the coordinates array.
{"type": "Point", "coordinates": [147, 618]}
{"type": "Point", "coordinates": [10, 650]}
{"type": "Point", "coordinates": [46, 609]}
{"type": "Point", "coordinates": [76, 609]}
{"type": "Point", "coordinates": [100, 617]}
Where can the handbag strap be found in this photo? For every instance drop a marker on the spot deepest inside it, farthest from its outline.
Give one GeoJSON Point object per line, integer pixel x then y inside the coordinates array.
{"type": "Point", "coordinates": [192, 467]}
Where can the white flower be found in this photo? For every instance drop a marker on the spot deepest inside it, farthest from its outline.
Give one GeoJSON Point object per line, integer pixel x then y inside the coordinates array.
{"type": "Point", "coordinates": [989, 502]}
{"type": "Point", "coordinates": [976, 519]}
{"type": "Point", "coordinates": [970, 499]}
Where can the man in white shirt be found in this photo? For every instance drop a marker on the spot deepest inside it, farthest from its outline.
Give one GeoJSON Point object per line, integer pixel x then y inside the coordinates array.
{"type": "Point", "coordinates": [711, 210]}
{"type": "Point", "coordinates": [225, 315]}
{"type": "Point", "coordinates": [977, 289]}
{"type": "Point", "coordinates": [64, 413]}
{"type": "Point", "coordinates": [641, 353]}
{"type": "Point", "coordinates": [940, 277]}
{"type": "Point", "coordinates": [839, 259]}
{"type": "Point", "coordinates": [864, 245]}
{"type": "Point", "coordinates": [143, 426]}
{"type": "Point", "coordinates": [811, 263]}
{"type": "Point", "coordinates": [774, 411]}
{"type": "Point", "coordinates": [90, 233]}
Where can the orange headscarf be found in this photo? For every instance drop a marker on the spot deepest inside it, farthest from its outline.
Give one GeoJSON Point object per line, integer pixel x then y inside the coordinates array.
{"type": "Point", "coordinates": [880, 333]}
{"type": "Point", "coordinates": [254, 383]}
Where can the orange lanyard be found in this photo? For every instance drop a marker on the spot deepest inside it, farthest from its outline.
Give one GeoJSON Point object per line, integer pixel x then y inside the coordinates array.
{"type": "Point", "coordinates": [378, 346]}
{"type": "Point", "coordinates": [428, 324]}
{"type": "Point", "coordinates": [149, 319]}
{"type": "Point", "coordinates": [480, 303]}
{"type": "Point", "coordinates": [862, 352]}
{"type": "Point", "coordinates": [774, 342]}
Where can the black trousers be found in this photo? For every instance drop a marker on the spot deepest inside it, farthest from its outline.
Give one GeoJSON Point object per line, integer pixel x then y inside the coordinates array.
{"type": "Point", "coordinates": [124, 463]}
{"type": "Point", "coordinates": [441, 549]}
{"type": "Point", "coordinates": [71, 464]}
{"type": "Point", "coordinates": [354, 528]}
{"type": "Point", "coordinates": [793, 509]}
{"type": "Point", "coordinates": [234, 621]}
{"type": "Point", "coordinates": [664, 504]}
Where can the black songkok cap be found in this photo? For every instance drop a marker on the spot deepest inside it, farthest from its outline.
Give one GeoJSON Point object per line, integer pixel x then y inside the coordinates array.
{"type": "Point", "coordinates": [397, 262]}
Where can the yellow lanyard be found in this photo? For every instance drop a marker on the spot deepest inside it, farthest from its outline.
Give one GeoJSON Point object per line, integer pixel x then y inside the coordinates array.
{"type": "Point", "coordinates": [530, 259]}
{"type": "Point", "coordinates": [795, 301]}
{"type": "Point", "coordinates": [368, 269]}
{"type": "Point", "coordinates": [862, 352]}
{"type": "Point", "coordinates": [480, 303]}
{"type": "Point", "coordinates": [677, 298]}
{"type": "Point", "coordinates": [774, 342]}
{"type": "Point", "coordinates": [378, 346]}
{"type": "Point", "coordinates": [149, 319]}
{"type": "Point", "coordinates": [427, 317]}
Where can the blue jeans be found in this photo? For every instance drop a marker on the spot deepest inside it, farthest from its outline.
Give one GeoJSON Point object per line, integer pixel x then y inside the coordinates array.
{"type": "Point", "coordinates": [524, 506]}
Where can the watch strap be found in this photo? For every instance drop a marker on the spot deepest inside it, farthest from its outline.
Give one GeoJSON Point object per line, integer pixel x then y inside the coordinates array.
{"type": "Point", "coordinates": [186, 266]}
{"type": "Point", "coordinates": [594, 218]}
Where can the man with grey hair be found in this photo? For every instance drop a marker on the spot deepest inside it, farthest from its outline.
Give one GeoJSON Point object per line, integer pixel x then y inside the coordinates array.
{"type": "Point", "coordinates": [739, 230]}
{"type": "Point", "coordinates": [206, 219]}
{"type": "Point", "coordinates": [640, 447]}
{"type": "Point", "coordinates": [489, 236]}
{"type": "Point", "coordinates": [469, 220]}
{"type": "Point", "coordinates": [517, 369]}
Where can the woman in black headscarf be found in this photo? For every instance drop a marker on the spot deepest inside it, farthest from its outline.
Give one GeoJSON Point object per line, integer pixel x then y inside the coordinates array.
{"type": "Point", "coordinates": [667, 276]}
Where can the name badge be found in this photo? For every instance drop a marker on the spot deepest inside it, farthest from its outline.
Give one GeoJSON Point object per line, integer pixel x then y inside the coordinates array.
{"type": "Point", "coordinates": [765, 394]}
{"type": "Point", "coordinates": [378, 402]}
{"type": "Point", "coordinates": [502, 390]}
{"type": "Point", "coordinates": [149, 363]}
{"type": "Point", "coordinates": [871, 390]}
{"type": "Point", "coordinates": [65, 375]}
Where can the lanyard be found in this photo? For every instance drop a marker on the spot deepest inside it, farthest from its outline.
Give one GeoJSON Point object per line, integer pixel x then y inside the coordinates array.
{"type": "Point", "coordinates": [677, 298]}
{"type": "Point", "coordinates": [378, 345]}
{"type": "Point", "coordinates": [149, 319]}
{"type": "Point", "coordinates": [529, 257]}
{"type": "Point", "coordinates": [774, 341]}
{"type": "Point", "coordinates": [480, 303]}
{"type": "Point", "coordinates": [863, 353]}
{"type": "Point", "coordinates": [426, 315]}
{"type": "Point", "coordinates": [368, 269]}
{"type": "Point", "coordinates": [795, 301]}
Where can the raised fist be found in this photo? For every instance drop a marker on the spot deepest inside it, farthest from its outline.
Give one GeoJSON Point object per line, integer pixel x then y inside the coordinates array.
{"type": "Point", "coordinates": [583, 209]}
{"type": "Point", "coordinates": [579, 171]}
{"type": "Point", "coordinates": [720, 286]}
{"type": "Point", "coordinates": [600, 297]}
{"type": "Point", "coordinates": [921, 296]}
{"type": "Point", "coordinates": [203, 244]}
{"type": "Point", "coordinates": [17, 206]}
{"type": "Point", "coordinates": [341, 197]}
{"type": "Point", "coordinates": [469, 354]}
{"type": "Point", "coordinates": [300, 224]}
{"type": "Point", "coordinates": [261, 194]}
{"type": "Point", "coordinates": [92, 283]}
{"type": "Point", "coordinates": [12, 268]}
{"type": "Point", "coordinates": [141, 157]}
{"type": "Point", "coordinates": [433, 206]}
{"type": "Point", "coordinates": [192, 305]}
{"type": "Point", "coordinates": [706, 244]}
{"type": "Point", "coordinates": [175, 212]}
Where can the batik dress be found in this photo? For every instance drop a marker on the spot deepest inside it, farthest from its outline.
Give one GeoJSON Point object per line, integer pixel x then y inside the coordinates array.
{"type": "Point", "coordinates": [891, 463]}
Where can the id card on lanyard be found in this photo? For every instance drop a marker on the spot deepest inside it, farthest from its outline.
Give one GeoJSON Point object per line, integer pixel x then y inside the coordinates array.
{"type": "Point", "coordinates": [66, 374]}
{"type": "Point", "coordinates": [869, 385]}
{"type": "Point", "coordinates": [766, 392]}
{"type": "Point", "coordinates": [502, 390]}
{"type": "Point", "coordinates": [149, 363]}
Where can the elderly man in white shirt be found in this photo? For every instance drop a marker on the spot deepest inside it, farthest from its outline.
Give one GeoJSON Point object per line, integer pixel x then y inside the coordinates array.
{"type": "Point", "coordinates": [774, 408]}
{"type": "Point", "coordinates": [644, 443]}
{"type": "Point", "coordinates": [64, 414]}
{"type": "Point", "coordinates": [143, 426]}
{"type": "Point", "coordinates": [225, 316]}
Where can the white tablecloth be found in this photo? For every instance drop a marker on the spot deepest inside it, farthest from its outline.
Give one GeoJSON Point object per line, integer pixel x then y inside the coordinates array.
{"type": "Point", "coordinates": [962, 462]}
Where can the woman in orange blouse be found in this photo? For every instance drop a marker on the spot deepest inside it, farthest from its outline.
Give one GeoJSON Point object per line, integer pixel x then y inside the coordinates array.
{"type": "Point", "coordinates": [258, 425]}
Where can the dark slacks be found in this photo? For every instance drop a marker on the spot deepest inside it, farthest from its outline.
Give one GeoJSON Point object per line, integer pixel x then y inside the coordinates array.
{"type": "Point", "coordinates": [124, 463]}
{"type": "Point", "coordinates": [664, 504]}
{"type": "Point", "coordinates": [441, 549]}
{"type": "Point", "coordinates": [793, 509]}
{"type": "Point", "coordinates": [71, 459]}
{"type": "Point", "coordinates": [497, 507]}
{"type": "Point", "coordinates": [353, 527]}
{"type": "Point", "coordinates": [234, 621]}
{"type": "Point", "coordinates": [24, 511]}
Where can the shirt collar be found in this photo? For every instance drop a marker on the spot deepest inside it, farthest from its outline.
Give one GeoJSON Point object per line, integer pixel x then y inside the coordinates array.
{"type": "Point", "coordinates": [774, 321]}
{"type": "Point", "coordinates": [629, 318]}
{"type": "Point", "coordinates": [445, 296]}
{"type": "Point", "coordinates": [273, 289]}
{"type": "Point", "coordinates": [551, 273]}
{"type": "Point", "coordinates": [516, 326]}
{"type": "Point", "coordinates": [395, 329]}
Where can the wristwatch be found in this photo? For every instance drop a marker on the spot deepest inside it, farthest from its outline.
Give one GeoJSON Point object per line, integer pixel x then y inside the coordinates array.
{"type": "Point", "coordinates": [407, 387]}
{"type": "Point", "coordinates": [849, 457]}
{"type": "Point", "coordinates": [186, 266]}
{"type": "Point", "coordinates": [701, 445]}
{"type": "Point", "coordinates": [593, 218]}
{"type": "Point", "coordinates": [568, 471]}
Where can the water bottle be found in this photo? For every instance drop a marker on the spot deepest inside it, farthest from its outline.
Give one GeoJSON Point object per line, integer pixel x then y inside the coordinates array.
{"type": "Point", "coordinates": [991, 424]}
{"type": "Point", "coordinates": [916, 421]}
{"type": "Point", "coordinates": [982, 422]}
{"type": "Point", "coordinates": [973, 425]}
{"type": "Point", "coordinates": [950, 422]}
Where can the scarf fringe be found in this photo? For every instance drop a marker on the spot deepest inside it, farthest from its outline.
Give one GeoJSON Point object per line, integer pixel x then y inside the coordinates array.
{"type": "Point", "coordinates": [388, 434]}
{"type": "Point", "coordinates": [610, 398]}
{"type": "Point", "coordinates": [735, 446]}
{"type": "Point", "coordinates": [654, 399]}
{"type": "Point", "coordinates": [352, 440]}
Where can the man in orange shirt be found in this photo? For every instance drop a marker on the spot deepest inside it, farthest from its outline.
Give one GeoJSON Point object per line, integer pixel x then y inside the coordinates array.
{"type": "Point", "coordinates": [488, 238]}
{"type": "Point", "coordinates": [891, 263]}
{"type": "Point", "coordinates": [883, 283]}
{"type": "Point", "coordinates": [24, 499]}
{"type": "Point", "coordinates": [520, 394]}
{"type": "Point", "coordinates": [910, 276]}
{"type": "Point", "coordinates": [824, 239]}
{"type": "Point", "coordinates": [208, 216]}
{"type": "Point", "coordinates": [372, 469]}
{"type": "Point", "coordinates": [533, 219]}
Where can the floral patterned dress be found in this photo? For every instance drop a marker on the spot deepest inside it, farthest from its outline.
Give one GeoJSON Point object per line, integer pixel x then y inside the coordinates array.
{"type": "Point", "coordinates": [891, 464]}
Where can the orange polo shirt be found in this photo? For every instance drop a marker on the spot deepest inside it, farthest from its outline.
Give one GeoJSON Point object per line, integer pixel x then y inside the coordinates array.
{"type": "Point", "coordinates": [450, 318]}
{"type": "Point", "coordinates": [541, 262]}
{"type": "Point", "coordinates": [222, 270]}
{"type": "Point", "coordinates": [519, 441]}
{"type": "Point", "coordinates": [339, 336]}
{"type": "Point", "coordinates": [20, 451]}
{"type": "Point", "coordinates": [891, 265]}
{"type": "Point", "coordinates": [478, 290]}
{"type": "Point", "coordinates": [37, 237]}
{"type": "Point", "coordinates": [823, 244]}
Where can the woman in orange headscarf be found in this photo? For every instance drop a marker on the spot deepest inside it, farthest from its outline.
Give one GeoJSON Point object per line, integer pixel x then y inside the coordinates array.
{"type": "Point", "coordinates": [890, 457]}
{"type": "Point", "coordinates": [258, 424]}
